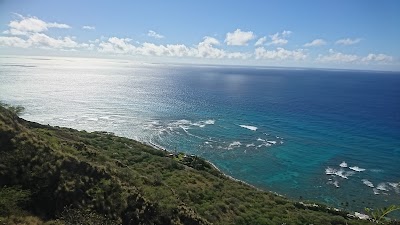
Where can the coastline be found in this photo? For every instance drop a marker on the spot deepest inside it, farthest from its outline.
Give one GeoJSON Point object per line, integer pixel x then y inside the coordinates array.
{"type": "Point", "coordinates": [311, 206]}
{"type": "Point", "coordinates": [152, 170]}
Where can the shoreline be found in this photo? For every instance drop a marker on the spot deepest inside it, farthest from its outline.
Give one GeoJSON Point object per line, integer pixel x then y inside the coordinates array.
{"type": "Point", "coordinates": [311, 205]}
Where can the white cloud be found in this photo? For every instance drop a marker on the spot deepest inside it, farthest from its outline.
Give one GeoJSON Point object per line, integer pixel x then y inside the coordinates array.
{"type": "Point", "coordinates": [206, 49]}
{"type": "Point", "coordinates": [261, 41]}
{"type": "Point", "coordinates": [280, 54]}
{"type": "Point", "coordinates": [40, 40]}
{"type": "Point", "coordinates": [44, 41]}
{"type": "Point", "coordinates": [279, 38]}
{"type": "Point", "coordinates": [88, 27]}
{"type": "Point", "coordinates": [153, 34]}
{"type": "Point", "coordinates": [27, 25]}
{"type": "Point", "coordinates": [13, 42]}
{"type": "Point", "coordinates": [117, 46]}
{"type": "Point", "coordinates": [316, 42]}
{"type": "Point", "coordinates": [338, 57]}
{"type": "Point", "coordinates": [348, 41]}
{"type": "Point", "coordinates": [382, 58]}
{"type": "Point", "coordinates": [239, 38]}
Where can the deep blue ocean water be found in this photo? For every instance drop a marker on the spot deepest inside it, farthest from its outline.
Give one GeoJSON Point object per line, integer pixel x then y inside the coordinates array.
{"type": "Point", "coordinates": [330, 136]}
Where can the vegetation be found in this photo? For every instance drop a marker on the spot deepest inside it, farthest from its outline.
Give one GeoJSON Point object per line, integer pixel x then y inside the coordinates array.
{"type": "Point", "coordinates": [53, 175]}
{"type": "Point", "coordinates": [380, 214]}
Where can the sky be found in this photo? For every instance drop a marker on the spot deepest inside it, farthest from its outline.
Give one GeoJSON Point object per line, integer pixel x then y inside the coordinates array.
{"type": "Point", "coordinates": [340, 34]}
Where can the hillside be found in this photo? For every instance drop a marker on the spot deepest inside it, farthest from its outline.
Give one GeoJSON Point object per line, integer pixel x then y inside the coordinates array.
{"type": "Point", "coordinates": [57, 175]}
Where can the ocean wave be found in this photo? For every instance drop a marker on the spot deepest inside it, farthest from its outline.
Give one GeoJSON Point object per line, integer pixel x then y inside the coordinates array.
{"type": "Point", "coordinates": [356, 168]}
{"type": "Point", "coordinates": [259, 139]}
{"type": "Point", "coordinates": [343, 164]}
{"type": "Point", "coordinates": [367, 182]}
{"type": "Point", "coordinates": [334, 183]}
{"type": "Point", "coordinates": [340, 173]}
{"type": "Point", "coordinates": [234, 144]}
{"type": "Point", "coordinates": [382, 187]}
{"type": "Point", "coordinates": [395, 187]}
{"type": "Point", "coordinates": [253, 128]}
{"type": "Point", "coordinates": [187, 123]}
{"type": "Point", "coordinates": [203, 123]}
{"type": "Point", "coordinates": [250, 145]}
{"type": "Point", "coordinates": [376, 192]}
{"type": "Point", "coordinates": [263, 145]}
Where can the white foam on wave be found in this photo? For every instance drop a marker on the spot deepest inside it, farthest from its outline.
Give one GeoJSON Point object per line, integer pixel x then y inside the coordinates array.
{"type": "Point", "coordinates": [376, 192]}
{"type": "Point", "coordinates": [368, 183]}
{"type": "Point", "coordinates": [343, 164]}
{"type": "Point", "coordinates": [340, 173]}
{"type": "Point", "coordinates": [250, 145]}
{"type": "Point", "coordinates": [187, 123]}
{"type": "Point", "coordinates": [356, 168]}
{"type": "Point", "coordinates": [395, 187]}
{"type": "Point", "coordinates": [209, 122]}
{"type": "Point", "coordinates": [265, 144]}
{"type": "Point", "coordinates": [253, 128]}
{"type": "Point", "coordinates": [272, 142]}
{"type": "Point", "coordinates": [203, 123]}
{"type": "Point", "coordinates": [259, 139]}
{"type": "Point", "coordinates": [382, 187]}
{"type": "Point", "coordinates": [234, 144]}
{"type": "Point", "coordinates": [334, 183]}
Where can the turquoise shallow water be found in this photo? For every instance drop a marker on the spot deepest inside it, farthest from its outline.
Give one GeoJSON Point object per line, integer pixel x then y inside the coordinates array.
{"type": "Point", "coordinates": [285, 130]}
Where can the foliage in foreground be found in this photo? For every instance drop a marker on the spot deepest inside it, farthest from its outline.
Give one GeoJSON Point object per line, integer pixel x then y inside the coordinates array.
{"type": "Point", "coordinates": [52, 175]}
{"type": "Point", "coordinates": [379, 215]}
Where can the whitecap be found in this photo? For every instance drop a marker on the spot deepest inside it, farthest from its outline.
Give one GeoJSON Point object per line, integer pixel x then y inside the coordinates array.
{"type": "Point", "coordinates": [250, 145]}
{"type": "Point", "coordinates": [367, 182]}
{"type": "Point", "coordinates": [395, 186]}
{"type": "Point", "coordinates": [265, 145]}
{"type": "Point", "coordinates": [340, 173]}
{"type": "Point", "coordinates": [334, 183]}
{"type": "Point", "coordinates": [209, 122]}
{"type": "Point", "coordinates": [376, 192]}
{"type": "Point", "coordinates": [343, 164]}
{"type": "Point", "coordinates": [203, 123]}
{"type": "Point", "coordinates": [234, 144]}
{"type": "Point", "coordinates": [259, 139]}
{"type": "Point", "coordinates": [330, 171]}
{"type": "Point", "coordinates": [253, 128]}
{"type": "Point", "coordinates": [272, 142]}
{"type": "Point", "coordinates": [382, 187]}
{"type": "Point", "coordinates": [356, 168]}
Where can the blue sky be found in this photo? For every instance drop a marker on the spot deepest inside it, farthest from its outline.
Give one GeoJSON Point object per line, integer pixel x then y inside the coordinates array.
{"type": "Point", "coordinates": [335, 34]}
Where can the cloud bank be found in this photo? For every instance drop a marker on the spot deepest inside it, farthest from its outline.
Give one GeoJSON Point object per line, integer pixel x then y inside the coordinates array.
{"type": "Point", "coordinates": [31, 32]}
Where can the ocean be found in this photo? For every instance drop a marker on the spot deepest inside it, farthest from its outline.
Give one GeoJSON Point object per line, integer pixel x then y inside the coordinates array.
{"type": "Point", "coordinates": [330, 136]}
